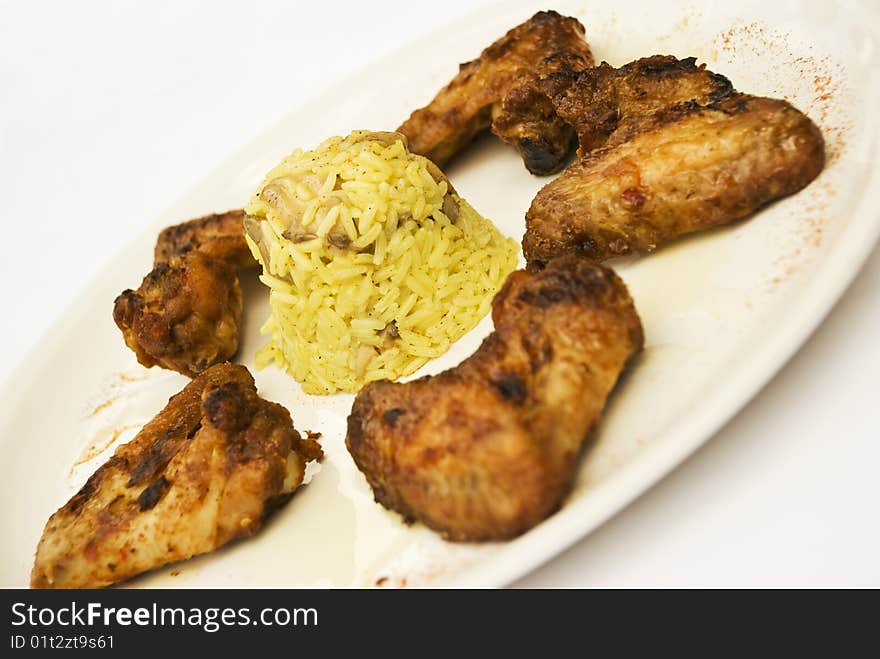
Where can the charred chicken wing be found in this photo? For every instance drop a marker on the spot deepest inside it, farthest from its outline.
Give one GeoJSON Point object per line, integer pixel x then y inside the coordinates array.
{"type": "Point", "coordinates": [466, 105]}
{"type": "Point", "coordinates": [486, 450]}
{"type": "Point", "coordinates": [186, 314]}
{"type": "Point", "coordinates": [527, 116]}
{"type": "Point", "coordinates": [220, 236]}
{"type": "Point", "coordinates": [206, 470]}
{"type": "Point", "coordinates": [587, 104]}
{"type": "Point", "coordinates": [677, 171]}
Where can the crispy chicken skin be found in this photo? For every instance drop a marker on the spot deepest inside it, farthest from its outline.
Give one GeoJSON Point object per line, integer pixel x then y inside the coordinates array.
{"type": "Point", "coordinates": [206, 470]}
{"type": "Point", "coordinates": [486, 450]}
{"type": "Point", "coordinates": [185, 316]}
{"type": "Point", "coordinates": [680, 170]}
{"type": "Point", "coordinates": [527, 117]}
{"type": "Point", "coordinates": [220, 236]}
{"type": "Point", "coordinates": [466, 105]}
{"type": "Point", "coordinates": [590, 103]}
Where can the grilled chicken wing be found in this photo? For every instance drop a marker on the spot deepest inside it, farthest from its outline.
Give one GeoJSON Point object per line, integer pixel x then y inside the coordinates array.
{"type": "Point", "coordinates": [588, 104]}
{"type": "Point", "coordinates": [206, 470]}
{"type": "Point", "coordinates": [486, 450]}
{"type": "Point", "coordinates": [465, 106]}
{"type": "Point", "coordinates": [675, 172]}
{"type": "Point", "coordinates": [185, 316]}
{"type": "Point", "coordinates": [527, 117]}
{"type": "Point", "coordinates": [220, 236]}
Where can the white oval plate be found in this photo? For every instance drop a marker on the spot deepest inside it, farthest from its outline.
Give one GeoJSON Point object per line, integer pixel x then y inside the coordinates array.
{"type": "Point", "coordinates": [722, 311]}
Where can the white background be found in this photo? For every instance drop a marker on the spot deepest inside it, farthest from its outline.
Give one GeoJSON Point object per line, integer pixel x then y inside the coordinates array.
{"type": "Point", "coordinates": [111, 110]}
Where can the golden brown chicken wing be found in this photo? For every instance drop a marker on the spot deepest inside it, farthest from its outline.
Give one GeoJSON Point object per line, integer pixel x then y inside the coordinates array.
{"type": "Point", "coordinates": [591, 103]}
{"type": "Point", "coordinates": [220, 236]}
{"type": "Point", "coordinates": [465, 106]}
{"type": "Point", "coordinates": [527, 118]}
{"type": "Point", "coordinates": [206, 470]}
{"type": "Point", "coordinates": [672, 173]}
{"type": "Point", "coordinates": [185, 316]}
{"type": "Point", "coordinates": [486, 450]}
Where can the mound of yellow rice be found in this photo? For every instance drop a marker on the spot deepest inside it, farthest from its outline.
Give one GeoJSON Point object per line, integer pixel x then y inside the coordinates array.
{"type": "Point", "coordinates": [374, 264]}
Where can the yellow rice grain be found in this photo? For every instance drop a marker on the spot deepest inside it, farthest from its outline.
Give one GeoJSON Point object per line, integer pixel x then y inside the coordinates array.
{"type": "Point", "coordinates": [369, 277]}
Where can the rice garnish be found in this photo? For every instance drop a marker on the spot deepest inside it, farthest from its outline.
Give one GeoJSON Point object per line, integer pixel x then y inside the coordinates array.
{"type": "Point", "coordinates": [374, 264]}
